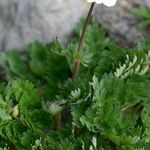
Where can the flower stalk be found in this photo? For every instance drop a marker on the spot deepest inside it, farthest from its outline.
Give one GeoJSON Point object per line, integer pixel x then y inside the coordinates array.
{"type": "Point", "coordinates": [78, 131]}
{"type": "Point", "coordinates": [57, 118]}
{"type": "Point", "coordinates": [80, 46]}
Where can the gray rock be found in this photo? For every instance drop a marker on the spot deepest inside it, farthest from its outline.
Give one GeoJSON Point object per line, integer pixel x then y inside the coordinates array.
{"type": "Point", "coordinates": [120, 23]}
{"type": "Point", "coordinates": [23, 21]}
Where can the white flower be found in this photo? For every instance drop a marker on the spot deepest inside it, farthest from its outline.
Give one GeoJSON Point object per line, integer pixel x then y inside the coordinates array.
{"type": "Point", "coordinates": [108, 3]}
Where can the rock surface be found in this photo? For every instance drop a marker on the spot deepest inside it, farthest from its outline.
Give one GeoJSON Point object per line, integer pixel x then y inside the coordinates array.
{"type": "Point", "coordinates": [120, 23]}
{"type": "Point", "coordinates": [22, 21]}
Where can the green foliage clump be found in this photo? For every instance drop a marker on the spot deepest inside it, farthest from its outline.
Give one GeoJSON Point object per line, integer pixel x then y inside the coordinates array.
{"type": "Point", "coordinates": [30, 66]}
{"type": "Point", "coordinates": [25, 112]}
{"type": "Point", "coordinates": [107, 105]}
{"type": "Point", "coordinates": [143, 12]}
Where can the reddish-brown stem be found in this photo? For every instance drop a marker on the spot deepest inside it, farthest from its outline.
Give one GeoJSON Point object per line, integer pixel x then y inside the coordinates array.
{"type": "Point", "coordinates": [80, 47]}
{"type": "Point", "coordinates": [57, 118]}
